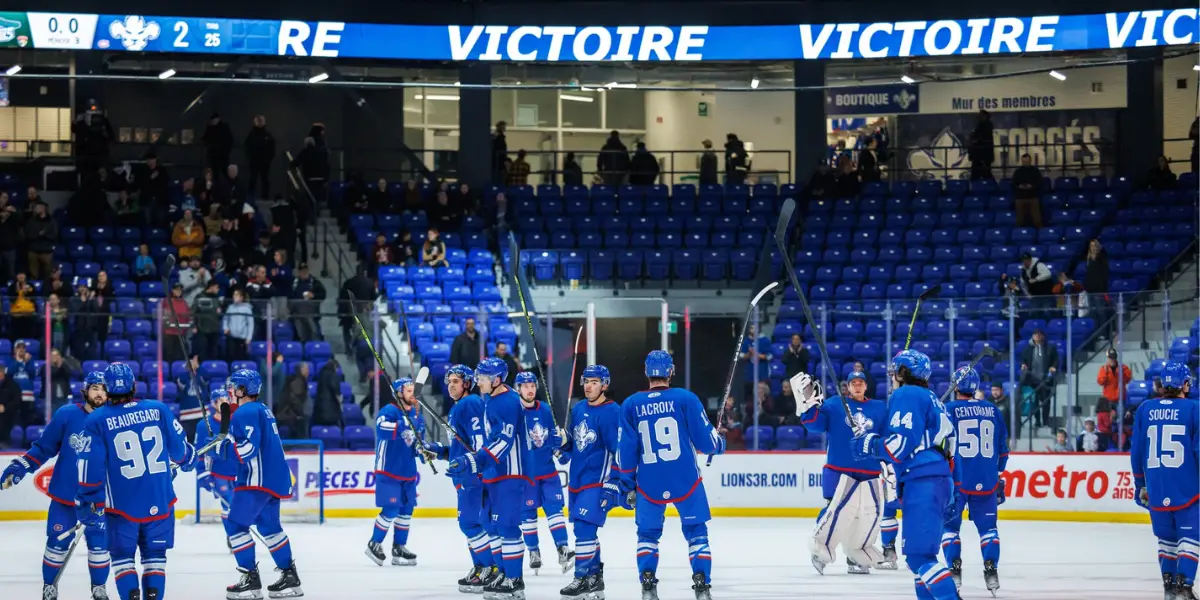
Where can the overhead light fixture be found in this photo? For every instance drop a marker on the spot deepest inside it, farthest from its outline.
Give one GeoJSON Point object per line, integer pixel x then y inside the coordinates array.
{"type": "Point", "coordinates": [318, 78]}
{"type": "Point", "coordinates": [1196, 67]}
{"type": "Point", "coordinates": [169, 73]}
{"type": "Point", "coordinates": [1058, 76]}
{"type": "Point", "coordinates": [13, 70]}
{"type": "Point", "coordinates": [457, 84]}
{"type": "Point", "coordinates": [445, 97]}
{"type": "Point", "coordinates": [577, 98]}
{"type": "Point", "coordinates": [907, 79]}
{"type": "Point", "coordinates": [625, 86]}
{"type": "Point", "coordinates": [754, 83]}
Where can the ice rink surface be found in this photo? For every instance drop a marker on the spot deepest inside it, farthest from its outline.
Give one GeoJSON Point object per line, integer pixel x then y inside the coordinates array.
{"type": "Point", "coordinates": [753, 559]}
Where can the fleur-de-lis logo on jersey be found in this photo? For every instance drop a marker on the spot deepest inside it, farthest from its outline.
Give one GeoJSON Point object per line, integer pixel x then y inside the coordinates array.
{"type": "Point", "coordinates": [860, 422]}
{"type": "Point", "coordinates": [81, 443]}
{"type": "Point", "coordinates": [408, 436]}
{"type": "Point", "coordinates": [538, 434]}
{"type": "Point", "coordinates": [583, 436]}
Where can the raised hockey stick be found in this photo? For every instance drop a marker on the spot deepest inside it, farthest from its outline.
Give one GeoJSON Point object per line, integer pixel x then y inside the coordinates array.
{"type": "Point", "coordinates": [927, 294]}
{"type": "Point", "coordinates": [168, 266]}
{"type": "Point", "coordinates": [737, 353]}
{"type": "Point", "coordinates": [514, 252]}
{"type": "Point", "coordinates": [571, 383]}
{"type": "Point", "coordinates": [986, 352]}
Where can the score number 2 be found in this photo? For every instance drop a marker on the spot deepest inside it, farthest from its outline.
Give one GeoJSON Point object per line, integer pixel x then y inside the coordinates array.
{"type": "Point", "coordinates": [212, 39]}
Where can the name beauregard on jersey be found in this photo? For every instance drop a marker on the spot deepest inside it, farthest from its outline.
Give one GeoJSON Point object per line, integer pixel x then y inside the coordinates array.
{"type": "Point", "coordinates": [147, 415]}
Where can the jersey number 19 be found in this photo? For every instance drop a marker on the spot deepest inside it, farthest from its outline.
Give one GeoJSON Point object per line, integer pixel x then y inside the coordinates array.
{"type": "Point", "coordinates": [1165, 451]}
{"type": "Point", "coordinates": [664, 432]}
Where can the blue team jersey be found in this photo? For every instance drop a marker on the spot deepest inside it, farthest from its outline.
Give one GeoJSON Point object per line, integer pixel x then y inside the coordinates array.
{"type": "Point", "coordinates": [541, 438]}
{"type": "Point", "coordinates": [503, 455]}
{"type": "Point", "coordinates": [916, 430]}
{"type": "Point", "coordinates": [830, 418]}
{"type": "Point", "coordinates": [396, 442]}
{"type": "Point", "coordinates": [220, 461]}
{"type": "Point", "coordinates": [662, 429]}
{"type": "Point", "coordinates": [62, 438]}
{"type": "Point", "coordinates": [595, 434]}
{"type": "Point", "coordinates": [126, 450]}
{"type": "Point", "coordinates": [466, 418]}
{"type": "Point", "coordinates": [1165, 451]}
{"type": "Point", "coordinates": [256, 443]}
{"type": "Point", "coordinates": [981, 448]}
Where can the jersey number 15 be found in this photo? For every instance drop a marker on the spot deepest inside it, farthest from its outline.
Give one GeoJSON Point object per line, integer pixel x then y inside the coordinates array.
{"type": "Point", "coordinates": [1165, 451]}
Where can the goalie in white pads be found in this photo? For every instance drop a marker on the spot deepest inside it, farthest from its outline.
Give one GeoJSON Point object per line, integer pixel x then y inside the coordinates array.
{"type": "Point", "coordinates": [852, 488]}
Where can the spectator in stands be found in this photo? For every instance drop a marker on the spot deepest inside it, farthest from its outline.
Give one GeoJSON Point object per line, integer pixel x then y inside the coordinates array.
{"type": "Point", "coordinates": [1088, 440]}
{"type": "Point", "coordinates": [405, 251]}
{"type": "Point", "coordinates": [785, 405]}
{"type": "Point", "coordinates": [518, 171]}
{"type": "Point", "coordinates": [307, 295]}
{"type": "Point", "coordinates": [868, 162]}
{"type": "Point", "coordinates": [206, 316]}
{"type": "Point", "coordinates": [1160, 176]}
{"type": "Point", "coordinates": [41, 234]}
{"type": "Point", "coordinates": [382, 253]}
{"type": "Point", "coordinates": [281, 282]}
{"type": "Point", "coordinates": [981, 149]}
{"type": "Point", "coordinates": [643, 167]}
{"type": "Point", "coordinates": [11, 228]}
{"type": "Point", "coordinates": [10, 407]}
{"type": "Point", "coordinates": [239, 327]}
{"type": "Point", "coordinates": [1194, 135]}
{"type": "Point", "coordinates": [62, 371]}
{"type": "Point", "coordinates": [377, 199]}
{"type": "Point", "coordinates": [795, 358]}
{"type": "Point", "coordinates": [93, 134]}
{"type": "Point", "coordinates": [188, 202]}
{"type": "Point", "coordinates": [762, 409]}
{"type": "Point", "coordinates": [1060, 442]}
{"type": "Point", "coordinates": [1068, 291]}
{"type": "Point", "coordinates": [708, 164]}
{"type": "Point", "coordinates": [259, 291]}
{"type": "Point", "coordinates": [22, 310]}
{"type": "Point", "coordinates": [465, 350]}
{"type": "Point", "coordinates": [1039, 365]}
{"type": "Point", "coordinates": [445, 215]}
{"type": "Point", "coordinates": [755, 346]}
{"type": "Point", "coordinates": [313, 162]}
{"type": "Point", "coordinates": [328, 407]}
{"type": "Point", "coordinates": [54, 285]}
{"type": "Point", "coordinates": [218, 143]}
{"type": "Point", "coordinates": [102, 287]}
{"type": "Point", "coordinates": [1004, 404]}
{"type": "Point", "coordinates": [1039, 282]}
{"type": "Point", "coordinates": [177, 324]}
{"type": "Point", "coordinates": [23, 371]}
{"type": "Point", "coordinates": [412, 196]}
{"type": "Point", "coordinates": [732, 422]}
{"type": "Point", "coordinates": [502, 219]}
{"type": "Point", "coordinates": [1095, 281]}
{"type": "Point", "coordinates": [499, 150]}
{"type": "Point", "coordinates": [613, 161]}
{"type": "Point", "coordinates": [192, 392]}
{"type": "Point", "coordinates": [1027, 193]}
{"type": "Point", "coordinates": [188, 236]}
{"type": "Point", "coordinates": [153, 185]}
{"type": "Point", "coordinates": [503, 354]}
{"type": "Point", "coordinates": [465, 199]}
{"type": "Point", "coordinates": [83, 323]}
{"type": "Point", "coordinates": [362, 287]}
{"type": "Point", "coordinates": [737, 163]}
{"type": "Point", "coordinates": [260, 152]}
{"type": "Point", "coordinates": [1113, 378]}
{"type": "Point", "coordinates": [572, 172]}
{"type": "Point", "coordinates": [848, 185]}
{"type": "Point", "coordinates": [1105, 416]}
{"type": "Point", "coordinates": [822, 184]}
{"type": "Point", "coordinates": [230, 193]}
{"type": "Point", "coordinates": [194, 278]}
{"type": "Point", "coordinates": [128, 210]}
{"type": "Point", "coordinates": [144, 268]}
{"type": "Point", "coordinates": [433, 253]}
{"type": "Point", "coordinates": [58, 322]}
{"type": "Point", "coordinates": [294, 406]}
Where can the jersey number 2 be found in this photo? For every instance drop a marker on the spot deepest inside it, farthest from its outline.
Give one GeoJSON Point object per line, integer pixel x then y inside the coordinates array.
{"type": "Point", "coordinates": [129, 449]}
{"type": "Point", "coordinates": [1169, 453]}
{"type": "Point", "coordinates": [666, 433]}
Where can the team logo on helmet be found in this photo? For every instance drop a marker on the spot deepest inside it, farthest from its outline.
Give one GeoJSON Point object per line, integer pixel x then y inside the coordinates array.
{"type": "Point", "coordinates": [584, 436]}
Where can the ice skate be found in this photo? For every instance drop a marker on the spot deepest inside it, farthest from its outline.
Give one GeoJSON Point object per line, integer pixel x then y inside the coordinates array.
{"type": "Point", "coordinates": [402, 557]}
{"type": "Point", "coordinates": [1183, 591]}
{"type": "Point", "coordinates": [890, 559]}
{"type": "Point", "coordinates": [1169, 588]}
{"type": "Point", "coordinates": [50, 592]}
{"type": "Point", "coordinates": [596, 585]}
{"type": "Point", "coordinates": [576, 590]}
{"type": "Point", "coordinates": [703, 590]}
{"type": "Point", "coordinates": [99, 592]}
{"type": "Point", "coordinates": [854, 568]}
{"type": "Point", "coordinates": [535, 560]}
{"type": "Point", "coordinates": [249, 587]}
{"type": "Point", "coordinates": [473, 582]}
{"type": "Point", "coordinates": [489, 577]}
{"type": "Point", "coordinates": [152, 593]}
{"type": "Point", "coordinates": [956, 573]}
{"type": "Point", "coordinates": [288, 585]}
{"type": "Point", "coordinates": [991, 576]}
{"type": "Point", "coordinates": [375, 552]}
{"type": "Point", "coordinates": [818, 564]}
{"type": "Point", "coordinates": [649, 586]}
{"type": "Point", "coordinates": [510, 589]}
{"type": "Point", "coordinates": [134, 595]}
{"type": "Point", "coordinates": [566, 558]}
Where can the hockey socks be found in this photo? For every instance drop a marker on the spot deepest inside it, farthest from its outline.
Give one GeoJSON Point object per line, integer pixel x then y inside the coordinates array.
{"type": "Point", "coordinates": [280, 547]}
{"type": "Point", "coordinates": [558, 528]}
{"type": "Point", "coordinates": [699, 554]}
{"type": "Point", "coordinates": [125, 576]}
{"type": "Point", "coordinates": [647, 550]}
{"type": "Point", "coordinates": [513, 554]}
{"type": "Point", "coordinates": [243, 546]}
{"type": "Point", "coordinates": [889, 529]}
{"type": "Point", "coordinates": [382, 524]}
{"type": "Point", "coordinates": [933, 581]}
{"type": "Point", "coordinates": [989, 545]}
{"type": "Point", "coordinates": [400, 527]}
{"type": "Point", "coordinates": [480, 546]}
{"type": "Point", "coordinates": [529, 531]}
{"type": "Point", "coordinates": [154, 571]}
{"type": "Point", "coordinates": [1167, 556]}
{"type": "Point", "coordinates": [952, 546]}
{"type": "Point", "coordinates": [1186, 551]}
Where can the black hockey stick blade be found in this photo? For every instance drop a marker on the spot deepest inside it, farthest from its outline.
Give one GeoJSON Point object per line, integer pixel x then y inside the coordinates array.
{"type": "Point", "coordinates": [226, 414]}
{"type": "Point", "coordinates": [168, 266]}
{"type": "Point", "coordinates": [929, 293]}
{"type": "Point", "coordinates": [420, 380]}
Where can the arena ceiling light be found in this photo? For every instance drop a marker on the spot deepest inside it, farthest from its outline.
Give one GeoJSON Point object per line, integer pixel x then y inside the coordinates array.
{"type": "Point", "coordinates": [754, 83]}
{"type": "Point", "coordinates": [13, 70]}
{"type": "Point", "coordinates": [907, 79]}
{"type": "Point", "coordinates": [169, 73]}
{"type": "Point", "coordinates": [1058, 76]}
{"type": "Point", "coordinates": [318, 78]}
{"type": "Point", "coordinates": [577, 98]}
{"type": "Point", "coordinates": [624, 86]}
{"type": "Point", "coordinates": [1196, 67]}
{"type": "Point", "coordinates": [446, 97]}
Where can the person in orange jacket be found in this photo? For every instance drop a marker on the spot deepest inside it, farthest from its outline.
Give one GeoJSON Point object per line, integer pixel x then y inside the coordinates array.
{"type": "Point", "coordinates": [1113, 383]}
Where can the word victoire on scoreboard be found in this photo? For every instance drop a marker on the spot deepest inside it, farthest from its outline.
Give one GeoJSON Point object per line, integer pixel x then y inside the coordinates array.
{"type": "Point", "coordinates": [1000, 35]}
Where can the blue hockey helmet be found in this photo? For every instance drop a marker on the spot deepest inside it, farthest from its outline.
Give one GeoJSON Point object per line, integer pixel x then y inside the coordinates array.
{"type": "Point", "coordinates": [595, 372]}
{"type": "Point", "coordinates": [216, 396]}
{"type": "Point", "coordinates": [856, 375]}
{"type": "Point", "coordinates": [119, 379]}
{"type": "Point", "coordinates": [966, 380]}
{"type": "Point", "coordinates": [526, 377]}
{"type": "Point", "coordinates": [463, 372]}
{"type": "Point", "coordinates": [93, 378]}
{"type": "Point", "coordinates": [492, 367]}
{"type": "Point", "coordinates": [1174, 375]}
{"type": "Point", "coordinates": [659, 364]}
{"type": "Point", "coordinates": [399, 384]}
{"type": "Point", "coordinates": [916, 362]}
{"type": "Point", "coordinates": [246, 379]}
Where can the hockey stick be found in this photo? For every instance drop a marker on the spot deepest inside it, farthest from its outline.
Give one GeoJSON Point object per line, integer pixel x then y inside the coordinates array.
{"type": "Point", "coordinates": [571, 383]}
{"type": "Point", "coordinates": [737, 353]}
{"type": "Point", "coordinates": [927, 294]}
{"type": "Point", "coordinates": [168, 266]}
{"type": "Point", "coordinates": [986, 352]}
{"type": "Point", "coordinates": [77, 531]}
{"type": "Point", "coordinates": [514, 252]}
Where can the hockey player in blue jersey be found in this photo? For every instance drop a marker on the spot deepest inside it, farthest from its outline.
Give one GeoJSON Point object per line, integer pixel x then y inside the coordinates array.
{"type": "Point", "coordinates": [63, 438]}
{"type": "Point", "coordinates": [914, 439]}
{"type": "Point", "coordinates": [264, 478]}
{"type": "Point", "coordinates": [396, 450]}
{"type": "Point", "coordinates": [980, 456]}
{"type": "Point", "coordinates": [889, 530]}
{"type": "Point", "coordinates": [125, 481]}
{"type": "Point", "coordinates": [501, 461]}
{"type": "Point", "coordinates": [547, 490]}
{"type": "Point", "coordinates": [466, 419]}
{"type": "Point", "coordinates": [662, 429]}
{"type": "Point", "coordinates": [852, 488]}
{"type": "Point", "coordinates": [1165, 454]}
{"type": "Point", "coordinates": [218, 469]}
{"type": "Point", "coordinates": [592, 448]}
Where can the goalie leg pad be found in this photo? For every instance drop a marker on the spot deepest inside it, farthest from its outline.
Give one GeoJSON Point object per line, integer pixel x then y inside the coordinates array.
{"type": "Point", "coordinates": [864, 532]}
{"type": "Point", "coordinates": [839, 522]}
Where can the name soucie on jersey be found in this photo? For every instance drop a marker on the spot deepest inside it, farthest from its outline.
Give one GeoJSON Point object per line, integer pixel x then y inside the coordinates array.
{"type": "Point", "coordinates": [662, 429]}
{"type": "Point", "coordinates": [396, 442]}
{"type": "Point", "coordinates": [830, 418]}
{"type": "Point", "coordinates": [256, 444]}
{"type": "Point", "coordinates": [595, 433]}
{"type": "Point", "coordinates": [1165, 452]}
{"type": "Point", "coordinates": [981, 449]}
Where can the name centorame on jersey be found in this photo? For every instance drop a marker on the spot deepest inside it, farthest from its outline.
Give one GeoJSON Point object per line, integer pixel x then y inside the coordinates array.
{"type": "Point", "coordinates": [146, 415]}
{"type": "Point", "coordinates": [975, 410]}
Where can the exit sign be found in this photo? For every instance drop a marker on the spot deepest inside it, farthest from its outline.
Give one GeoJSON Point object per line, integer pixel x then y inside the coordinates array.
{"type": "Point", "coordinates": [672, 327]}
{"type": "Point", "coordinates": [701, 110]}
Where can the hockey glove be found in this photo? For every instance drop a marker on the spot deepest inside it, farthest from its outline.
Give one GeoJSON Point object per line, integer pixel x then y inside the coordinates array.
{"type": "Point", "coordinates": [807, 392]}
{"type": "Point", "coordinates": [207, 482]}
{"type": "Point", "coordinates": [865, 445]}
{"type": "Point", "coordinates": [1140, 495]}
{"type": "Point", "coordinates": [1000, 493]}
{"type": "Point", "coordinates": [438, 449]}
{"type": "Point", "coordinates": [14, 472]}
{"type": "Point", "coordinates": [91, 514]}
{"type": "Point", "coordinates": [952, 506]}
{"type": "Point", "coordinates": [463, 465]}
{"type": "Point", "coordinates": [719, 446]}
{"type": "Point", "coordinates": [189, 458]}
{"type": "Point", "coordinates": [615, 495]}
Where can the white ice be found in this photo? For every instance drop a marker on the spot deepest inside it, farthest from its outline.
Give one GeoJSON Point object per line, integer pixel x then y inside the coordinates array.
{"type": "Point", "coordinates": [753, 559]}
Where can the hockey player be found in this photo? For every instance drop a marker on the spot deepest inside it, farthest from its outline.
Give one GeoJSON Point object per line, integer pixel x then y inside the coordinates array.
{"type": "Point", "coordinates": [547, 489]}
{"type": "Point", "coordinates": [501, 461]}
{"type": "Point", "coordinates": [1165, 454]}
{"type": "Point", "coordinates": [63, 438]}
{"type": "Point", "coordinates": [264, 478]}
{"type": "Point", "coordinates": [218, 469]}
{"type": "Point", "coordinates": [889, 529]}
{"type": "Point", "coordinates": [662, 429]}
{"type": "Point", "coordinates": [396, 453]}
{"type": "Point", "coordinates": [125, 481]}
{"type": "Point", "coordinates": [980, 456]}
{"type": "Point", "coordinates": [466, 418]}
{"type": "Point", "coordinates": [913, 441]}
{"type": "Point", "coordinates": [592, 447]}
{"type": "Point", "coordinates": [853, 491]}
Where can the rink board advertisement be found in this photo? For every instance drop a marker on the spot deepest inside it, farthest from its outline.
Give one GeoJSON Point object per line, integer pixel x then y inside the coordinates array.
{"type": "Point", "coordinates": [1059, 487]}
